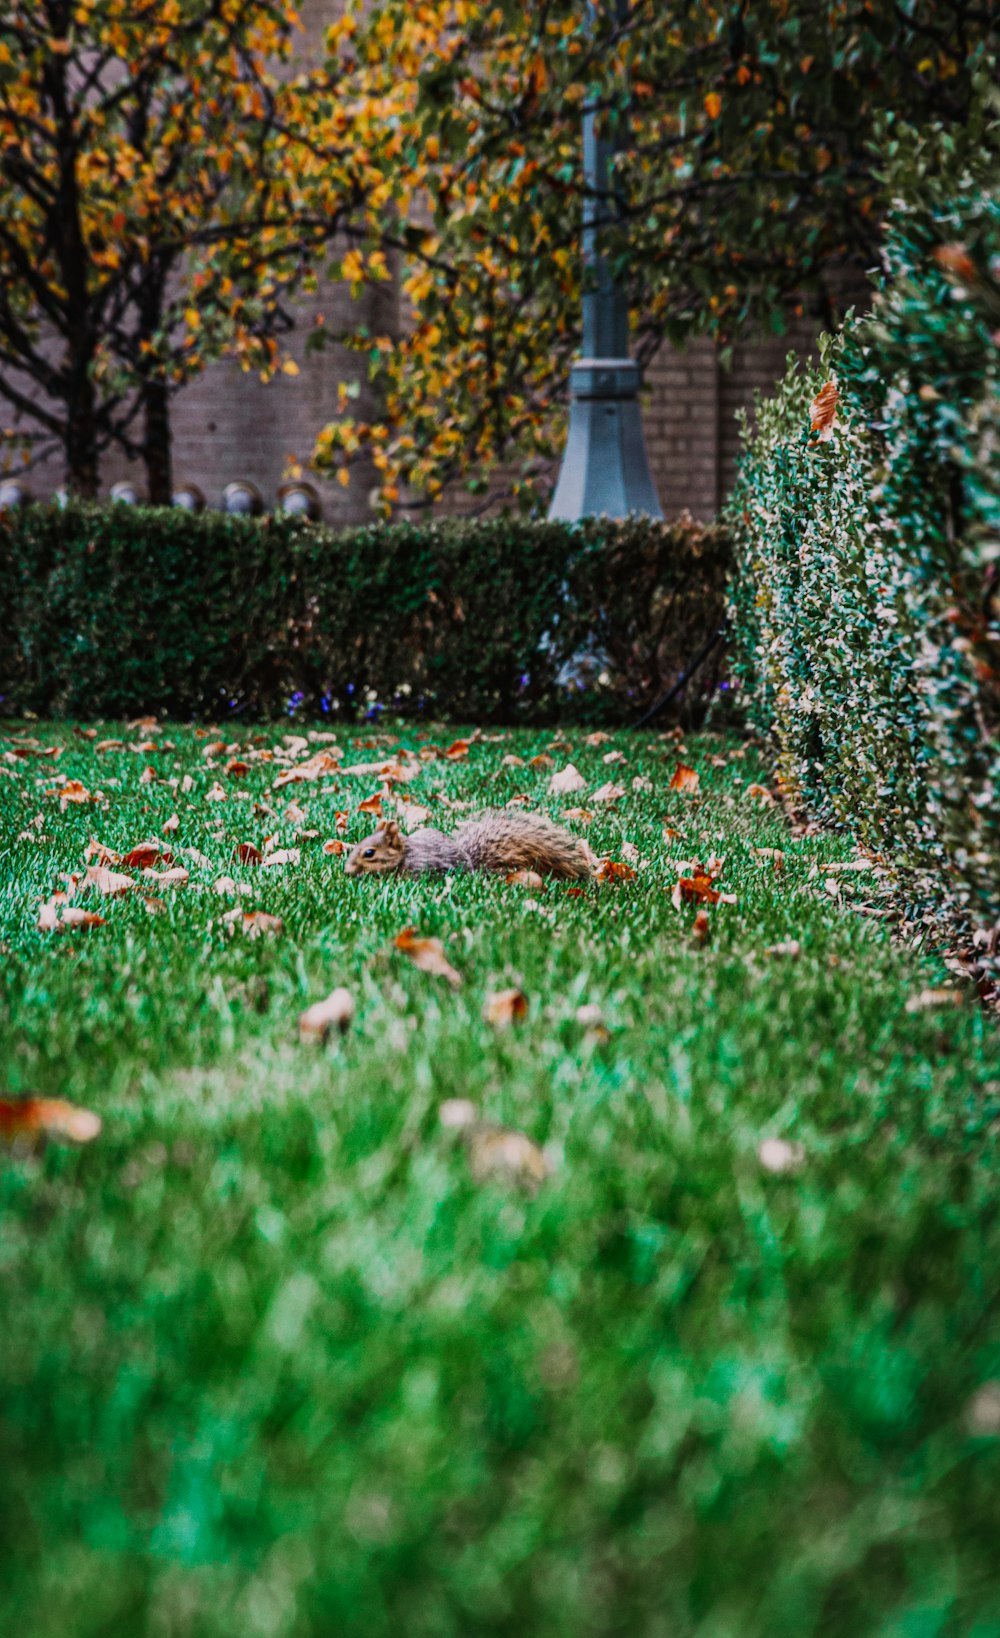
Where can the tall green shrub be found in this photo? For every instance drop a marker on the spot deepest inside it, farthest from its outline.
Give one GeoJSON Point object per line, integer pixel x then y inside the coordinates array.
{"type": "Point", "coordinates": [121, 610]}
{"type": "Point", "coordinates": [867, 599]}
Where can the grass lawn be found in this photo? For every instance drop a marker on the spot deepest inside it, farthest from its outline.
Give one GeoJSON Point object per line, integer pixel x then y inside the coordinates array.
{"type": "Point", "coordinates": [273, 1363]}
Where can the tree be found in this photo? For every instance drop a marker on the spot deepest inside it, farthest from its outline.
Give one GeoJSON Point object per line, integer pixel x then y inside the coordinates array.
{"type": "Point", "coordinates": [747, 178]}
{"type": "Point", "coordinates": [148, 217]}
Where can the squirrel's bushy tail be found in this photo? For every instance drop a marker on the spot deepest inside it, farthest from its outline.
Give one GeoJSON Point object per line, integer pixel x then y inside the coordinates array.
{"type": "Point", "coordinates": [523, 841]}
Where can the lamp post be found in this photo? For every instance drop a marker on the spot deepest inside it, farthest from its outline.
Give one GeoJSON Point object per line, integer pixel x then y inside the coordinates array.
{"type": "Point", "coordinates": [605, 468]}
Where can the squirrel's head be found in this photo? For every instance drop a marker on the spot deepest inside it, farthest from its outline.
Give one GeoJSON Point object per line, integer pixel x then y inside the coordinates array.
{"type": "Point", "coordinates": [379, 854]}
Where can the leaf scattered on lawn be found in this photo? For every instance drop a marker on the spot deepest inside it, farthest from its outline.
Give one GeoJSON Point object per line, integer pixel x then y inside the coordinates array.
{"type": "Point", "coordinates": [247, 853]}
{"type": "Point", "coordinates": [283, 856]}
{"type": "Point", "coordinates": [335, 1012]}
{"type": "Point", "coordinates": [524, 878]}
{"type": "Point", "coordinates": [427, 954]}
{"type": "Point", "coordinates": [57, 915]}
{"type": "Point", "coordinates": [73, 791]}
{"type": "Point", "coordinates": [608, 793]}
{"type": "Point", "coordinates": [598, 737]}
{"type": "Point", "coordinates": [779, 1155]}
{"type": "Point", "coordinates": [613, 870]}
{"type": "Point", "coordinates": [760, 794]}
{"type": "Point", "coordinates": [104, 855]}
{"type": "Point", "coordinates": [702, 927]}
{"type": "Point", "coordinates": [237, 769]}
{"type": "Point", "coordinates": [172, 824]}
{"type": "Point", "coordinates": [566, 780]}
{"type": "Point", "coordinates": [177, 877]}
{"type": "Point", "coordinates": [583, 816]}
{"type": "Point", "coordinates": [254, 923]}
{"type": "Point", "coordinates": [496, 1153]}
{"type": "Point", "coordinates": [145, 854]}
{"type": "Point", "coordinates": [37, 1118]}
{"type": "Point", "coordinates": [457, 1112]}
{"type": "Point", "coordinates": [774, 854]}
{"type": "Point", "coordinates": [685, 779]}
{"type": "Point", "coordinates": [788, 949]}
{"type": "Point", "coordinates": [333, 846]}
{"type": "Point", "coordinates": [929, 1000]}
{"type": "Point", "coordinates": [505, 1007]}
{"type": "Point", "coordinates": [371, 804]}
{"type": "Point", "coordinates": [458, 750]}
{"type": "Point", "coordinates": [111, 883]}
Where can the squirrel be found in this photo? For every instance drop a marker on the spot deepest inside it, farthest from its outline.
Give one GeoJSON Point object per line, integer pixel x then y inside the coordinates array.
{"type": "Point", "coordinates": [494, 841]}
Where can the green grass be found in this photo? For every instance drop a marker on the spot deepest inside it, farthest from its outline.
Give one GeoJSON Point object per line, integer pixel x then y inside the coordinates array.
{"type": "Point", "coordinates": [272, 1364]}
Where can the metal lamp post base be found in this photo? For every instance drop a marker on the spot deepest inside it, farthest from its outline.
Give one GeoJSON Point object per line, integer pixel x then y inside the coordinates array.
{"type": "Point", "coordinates": [605, 469]}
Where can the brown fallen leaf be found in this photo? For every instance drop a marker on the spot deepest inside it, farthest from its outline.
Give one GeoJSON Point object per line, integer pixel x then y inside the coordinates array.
{"type": "Point", "coordinates": [334, 846]}
{"type": "Point", "coordinates": [774, 854]}
{"type": "Point", "coordinates": [608, 793]}
{"type": "Point", "coordinates": [458, 750]}
{"type": "Point", "coordinates": [611, 870]}
{"type": "Point", "coordinates": [104, 855]}
{"type": "Point", "coordinates": [614, 759]}
{"type": "Point", "coordinates": [148, 776]}
{"type": "Point", "coordinates": [511, 761]}
{"type": "Point", "coordinates": [154, 905]}
{"type": "Point", "coordinates": [598, 737]}
{"type": "Point", "coordinates": [371, 804]}
{"type": "Point", "coordinates": [498, 1154]}
{"type": "Point", "coordinates": [216, 794]}
{"type": "Point", "coordinates": [566, 780]}
{"type": "Point", "coordinates": [524, 878]}
{"type": "Point", "coordinates": [336, 1011]}
{"type": "Point", "coordinates": [237, 769]}
{"type": "Point", "coordinates": [197, 858]}
{"type": "Point", "coordinates": [543, 760]}
{"type": "Point", "coordinates": [583, 816]}
{"type": "Point", "coordinates": [685, 779]}
{"type": "Point", "coordinates": [247, 853]}
{"type": "Point", "coordinates": [787, 949]}
{"type": "Point", "coordinates": [112, 883]}
{"type": "Point", "coordinates": [57, 915]}
{"type": "Point", "coordinates": [145, 854]}
{"type": "Point", "coordinates": [505, 1007]}
{"type": "Point", "coordinates": [927, 1000]}
{"type": "Point", "coordinates": [759, 793]}
{"type": "Point", "coordinates": [172, 824]}
{"type": "Point", "coordinates": [258, 924]}
{"type": "Point", "coordinates": [694, 890]}
{"type": "Point", "coordinates": [427, 954]}
{"type": "Point", "coordinates": [283, 856]}
{"type": "Point", "coordinates": [72, 791]}
{"type": "Point", "coordinates": [702, 927]}
{"type": "Point", "coordinates": [177, 877]}
{"type": "Point", "coordinates": [39, 1118]}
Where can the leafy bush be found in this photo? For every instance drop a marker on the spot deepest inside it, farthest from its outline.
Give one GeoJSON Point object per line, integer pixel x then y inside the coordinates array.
{"type": "Point", "coordinates": [119, 610]}
{"type": "Point", "coordinates": [867, 595]}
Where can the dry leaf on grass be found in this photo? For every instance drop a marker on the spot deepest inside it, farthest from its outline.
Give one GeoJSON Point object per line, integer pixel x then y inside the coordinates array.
{"type": "Point", "coordinates": [505, 1007]}
{"type": "Point", "coordinates": [512, 762]}
{"type": "Point", "coordinates": [72, 791]}
{"type": "Point", "coordinates": [787, 949]}
{"type": "Point", "coordinates": [57, 915]}
{"type": "Point", "coordinates": [608, 793]}
{"type": "Point", "coordinates": [283, 856]}
{"type": "Point", "coordinates": [427, 954]}
{"type": "Point", "coordinates": [458, 750]}
{"type": "Point", "coordinates": [698, 890]}
{"type": "Point", "coordinates": [524, 878]}
{"type": "Point", "coordinates": [255, 923]}
{"type": "Point", "coordinates": [414, 815]}
{"type": "Point", "coordinates": [145, 854]}
{"type": "Point", "coordinates": [702, 927]}
{"type": "Point", "coordinates": [566, 780]}
{"type": "Point", "coordinates": [38, 1118]}
{"type": "Point", "coordinates": [779, 1155]}
{"type": "Point", "coordinates": [110, 883]}
{"type": "Point", "coordinates": [216, 794]}
{"type": "Point", "coordinates": [335, 1012]}
{"type": "Point", "coordinates": [333, 846]}
{"type": "Point", "coordinates": [614, 759]}
{"type": "Point", "coordinates": [598, 737]}
{"type": "Point", "coordinates": [173, 823]}
{"type": "Point", "coordinates": [237, 769]}
{"type": "Point", "coordinates": [177, 877]}
{"type": "Point", "coordinates": [96, 850]}
{"type": "Point", "coordinates": [611, 870]}
{"type": "Point", "coordinates": [928, 1000]}
{"type": "Point", "coordinates": [759, 793]}
{"type": "Point", "coordinates": [371, 804]}
{"type": "Point", "coordinates": [583, 816]}
{"type": "Point", "coordinates": [774, 854]}
{"type": "Point", "coordinates": [153, 905]}
{"type": "Point", "coordinates": [685, 779]}
{"type": "Point", "coordinates": [543, 760]}
{"type": "Point", "coordinates": [498, 1154]}
{"type": "Point", "coordinates": [247, 853]}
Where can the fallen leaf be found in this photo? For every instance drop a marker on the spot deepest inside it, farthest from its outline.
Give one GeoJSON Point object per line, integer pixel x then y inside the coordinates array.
{"type": "Point", "coordinates": [512, 762]}
{"type": "Point", "coordinates": [685, 779]}
{"type": "Point", "coordinates": [775, 855]}
{"type": "Point", "coordinates": [505, 1007]}
{"type": "Point", "coordinates": [458, 750]}
{"type": "Point", "coordinates": [778, 1155]}
{"type": "Point", "coordinates": [247, 853]}
{"type": "Point", "coordinates": [96, 850]}
{"type": "Point", "coordinates": [927, 1000]}
{"type": "Point", "coordinates": [788, 948]}
{"type": "Point", "coordinates": [498, 1154]}
{"type": "Point", "coordinates": [154, 905]}
{"type": "Point", "coordinates": [524, 878]}
{"type": "Point", "coordinates": [566, 780]}
{"type": "Point", "coordinates": [608, 793]}
{"type": "Point", "coordinates": [148, 776]}
{"type": "Point", "coordinates": [109, 882]}
{"type": "Point", "coordinates": [216, 794]}
{"type": "Point", "coordinates": [177, 877]}
{"type": "Point", "coordinates": [414, 815]}
{"type": "Point", "coordinates": [258, 924]}
{"type": "Point", "coordinates": [702, 927]}
{"type": "Point", "coordinates": [641, 784]}
{"type": "Point", "coordinates": [333, 846]}
{"type": "Point", "coordinates": [196, 857]}
{"type": "Point", "coordinates": [610, 870]}
{"type": "Point", "coordinates": [598, 737]}
{"type": "Point", "coordinates": [427, 954]}
{"type": "Point", "coordinates": [694, 890]}
{"type": "Point", "coordinates": [759, 793]}
{"type": "Point", "coordinates": [145, 854]}
{"type": "Point", "coordinates": [56, 915]}
{"type": "Point", "coordinates": [283, 856]}
{"type": "Point", "coordinates": [172, 824]}
{"type": "Point", "coordinates": [38, 1118]}
{"type": "Point", "coordinates": [847, 866]}
{"type": "Point", "coordinates": [614, 758]}
{"type": "Point", "coordinates": [294, 815]}
{"type": "Point", "coordinates": [371, 804]}
{"type": "Point", "coordinates": [72, 791]}
{"type": "Point", "coordinates": [237, 769]}
{"type": "Point", "coordinates": [318, 1020]}
{"type": "Point", "coordinates": [583, 816]}
{"type": "Point", "coordinates": [543, 760]}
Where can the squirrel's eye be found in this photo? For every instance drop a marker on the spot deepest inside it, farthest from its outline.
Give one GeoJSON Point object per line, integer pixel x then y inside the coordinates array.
{"type": "Point", "coordinates": [369, 853]}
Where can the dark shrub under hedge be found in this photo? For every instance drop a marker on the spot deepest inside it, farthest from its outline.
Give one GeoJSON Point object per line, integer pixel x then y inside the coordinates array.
{"type": "Point", "coordinates": [119, 610]}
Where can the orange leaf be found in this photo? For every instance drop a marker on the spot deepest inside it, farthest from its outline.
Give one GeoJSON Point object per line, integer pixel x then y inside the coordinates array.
{"type": "Point", "coordinates": [685, 779]}
{"type": "Point", "coordinates": [695, 890]}
{"type": "Point", "coordinates": [713, 105]}
{"type": "Point", "coordinates": [505, 1007]}
{"type": "Point", "coordinates": [701, 928]}
{"type": "Point", "coordinates": [145, 854]}
{"type": "Point", "coordinates": [247, 853]}
{"type": "Point", "coordinates": [610, 870]}
{"type": "Point", "coordinates": [427, 954]}
{"type": "Point", "coordinates": [524, 878]}
{"type": "Point", "coordinates": [458, 750]}
{"type": "Point", "coordinates": [371, 804]}
{"type": "Point", "coordinates": [823, 412]}
{"type": "Point", "coordinates": [46, 1117]}
{"type": "Point", "coordinates": [335, 845]}
{"type": "Point", "coordinates": [236, 769]}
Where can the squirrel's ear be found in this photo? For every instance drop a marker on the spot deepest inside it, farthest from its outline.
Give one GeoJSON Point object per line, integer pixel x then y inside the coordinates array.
{"type": "Point", "coordinates": [390, 830]}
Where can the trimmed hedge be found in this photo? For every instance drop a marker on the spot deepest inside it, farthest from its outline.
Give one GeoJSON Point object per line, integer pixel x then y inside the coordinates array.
{"type": "Point", "coordinates": [119, 610]}
{"type": "Point", "coordinates": [867, 600]}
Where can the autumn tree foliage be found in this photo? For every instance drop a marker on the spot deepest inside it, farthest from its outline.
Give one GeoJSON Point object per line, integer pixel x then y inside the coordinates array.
{"type": "Point", "coordinates": [147, 214]}
{"type": "Point", "coordinates": [747, 177]}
